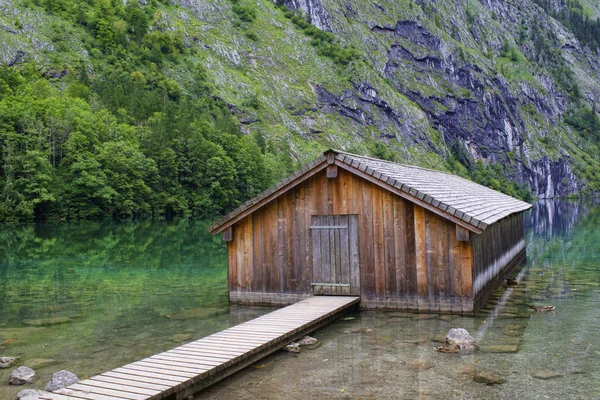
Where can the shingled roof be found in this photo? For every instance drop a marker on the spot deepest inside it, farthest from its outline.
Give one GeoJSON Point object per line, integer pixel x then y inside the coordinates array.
{"type": "Point", "coordinates": [465, 202]}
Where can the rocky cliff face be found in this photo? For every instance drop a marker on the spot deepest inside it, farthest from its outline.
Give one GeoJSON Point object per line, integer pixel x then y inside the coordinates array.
{"type": "Point", "coordinates": [450, 71]}
{"type": "Point", "coordinates": [435, 76]}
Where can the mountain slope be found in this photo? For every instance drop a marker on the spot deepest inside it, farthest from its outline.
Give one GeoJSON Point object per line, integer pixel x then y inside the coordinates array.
{"type": "Point", "coordinates": [486, 89]}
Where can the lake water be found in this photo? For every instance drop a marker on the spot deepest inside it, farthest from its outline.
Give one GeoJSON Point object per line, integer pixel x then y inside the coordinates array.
{"type": "Point", "coordinates": [88, 297]}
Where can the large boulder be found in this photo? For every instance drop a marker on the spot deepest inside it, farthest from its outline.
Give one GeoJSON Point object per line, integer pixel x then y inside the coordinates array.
{"type": "Point", "coordinates": [30, 394]}
{"type": "Point", "coordinates": [21, 376]}
{"type": "Point", "coordinates": [458, 340]}
{"type": "Point", "coordinates": [60, 380]}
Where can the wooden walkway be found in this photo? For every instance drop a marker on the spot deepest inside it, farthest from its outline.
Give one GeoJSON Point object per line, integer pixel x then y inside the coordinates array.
{"type": "Point", "coordinates": [180, 372]}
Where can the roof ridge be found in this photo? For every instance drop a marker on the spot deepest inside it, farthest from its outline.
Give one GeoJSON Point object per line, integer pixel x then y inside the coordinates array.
{"type": "Point", "coordinates": [395, 163]}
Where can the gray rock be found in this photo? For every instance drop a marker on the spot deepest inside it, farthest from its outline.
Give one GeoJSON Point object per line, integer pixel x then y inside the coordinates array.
{"type": "Point", "coordinates": [458, 340]}
{"type": "Point", "coordinates": [61, 379]}
{"type": "Point", "coordinates": [6, 362]}
{"type": "Point", "coordinates": [21, 376]}
{"type": "Point", "coordinates": [30, 394]}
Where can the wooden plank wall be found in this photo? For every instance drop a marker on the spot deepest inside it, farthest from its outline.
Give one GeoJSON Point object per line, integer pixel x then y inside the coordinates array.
{"type": "Point", "coordinates": [409, 257]}
{"type": "Point", "coordinates": [496, 252]}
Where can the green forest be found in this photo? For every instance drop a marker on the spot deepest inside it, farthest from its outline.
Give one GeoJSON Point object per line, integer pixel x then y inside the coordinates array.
{"type": "Point", "coordinates": [127, 140]}
{"type": "Point", "coordinates": [123, 138]}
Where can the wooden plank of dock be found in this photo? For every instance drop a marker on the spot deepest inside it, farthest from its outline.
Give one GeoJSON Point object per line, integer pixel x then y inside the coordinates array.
{"type": "Point", "coordinates": [179, 373]}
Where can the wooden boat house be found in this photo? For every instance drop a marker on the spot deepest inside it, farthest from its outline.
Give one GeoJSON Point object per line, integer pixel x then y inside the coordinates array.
{"type": "Point", "coordinates": [398, 236]}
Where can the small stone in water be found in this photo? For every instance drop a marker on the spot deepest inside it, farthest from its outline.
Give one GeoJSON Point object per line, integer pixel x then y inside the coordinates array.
{"type": "Point", "coordinates": [60, 380]}
{"type": "Point", "coordinates": [6, 362]}
{"type": "Point", "coordinates": [21, 376]}
{"type": "Point", "coordinates": [545, 375]}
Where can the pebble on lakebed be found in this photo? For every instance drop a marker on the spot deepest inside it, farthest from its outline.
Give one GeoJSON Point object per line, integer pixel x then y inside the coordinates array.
{"type": "Point", "coordinates": [488, 377]}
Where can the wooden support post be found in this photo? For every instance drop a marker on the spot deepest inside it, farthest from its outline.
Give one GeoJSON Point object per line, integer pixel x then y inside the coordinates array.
{"type": "Point", "coordinates": [227, 234]}
{"type": "Point", "coordinates": [332, 171]}
{"type": "Point", "coordinates": [462, 234]}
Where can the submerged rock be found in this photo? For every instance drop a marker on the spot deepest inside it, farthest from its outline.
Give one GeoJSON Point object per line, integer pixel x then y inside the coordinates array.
{"type": "Point", "coordinates": [6, 362]}
{"type": "Point", "coordinates": [500, 348]}
{"type": "Point", "coordinates": [21, 376]}
{"type": "Point", "coordinates": [488, 377]}
{"type": "Point", "coordinates": [47, 321]}
{"type": "Point", "coordinates": [31, 394]}
{"type": "Point", "coordinates": [61, 379]}
{"type": "Point", "coordinates": [37, 363]}
{"type": "Point", "coordinates": [545, 375]}
{"type": "Point", "coordinates": [180, 337]}
{"type": "Point", "coordinates": [458, 340]}
{"type": "Point", "coordinates": [513, 330]}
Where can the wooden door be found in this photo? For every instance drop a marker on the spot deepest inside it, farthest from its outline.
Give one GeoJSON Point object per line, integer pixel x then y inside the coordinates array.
{"type": "Point", "coordinates": [336, 268]}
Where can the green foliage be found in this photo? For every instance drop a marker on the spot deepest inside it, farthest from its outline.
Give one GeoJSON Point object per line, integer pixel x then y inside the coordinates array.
{"type": "Point", "coordinates": [548, 55]}
{"type": "Point", "coordinates": [585, 121]}
{"type": "Point", "coordinates": [586, 29]}
{"type": "Point", "coordinates": [493, 176]}
{"type": "Point", "coordinates": [325, 42]}
{"type": "Point", "coordinates": [245, 16]}
{"type": "Point", "coordinates": [128, 140]}
{"type": "Point", "coordinates": [381, 151]}
{"type": "Point", "coordinates": [511, 52]}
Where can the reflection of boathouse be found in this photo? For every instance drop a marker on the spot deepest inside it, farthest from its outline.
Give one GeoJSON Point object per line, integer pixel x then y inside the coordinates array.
{"type": "Point", "coordinates": [400, 237]}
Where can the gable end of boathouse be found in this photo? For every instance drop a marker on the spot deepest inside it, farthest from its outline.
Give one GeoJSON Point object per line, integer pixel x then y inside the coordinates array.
{"type": "Point", "coordinates": [400, 237]}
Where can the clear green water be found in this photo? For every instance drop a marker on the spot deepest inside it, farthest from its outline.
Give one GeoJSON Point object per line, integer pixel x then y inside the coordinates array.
{"type": "Point", "coordinates": [134, 289]}
{"type": "Point", "coordinates": [126, 291]}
